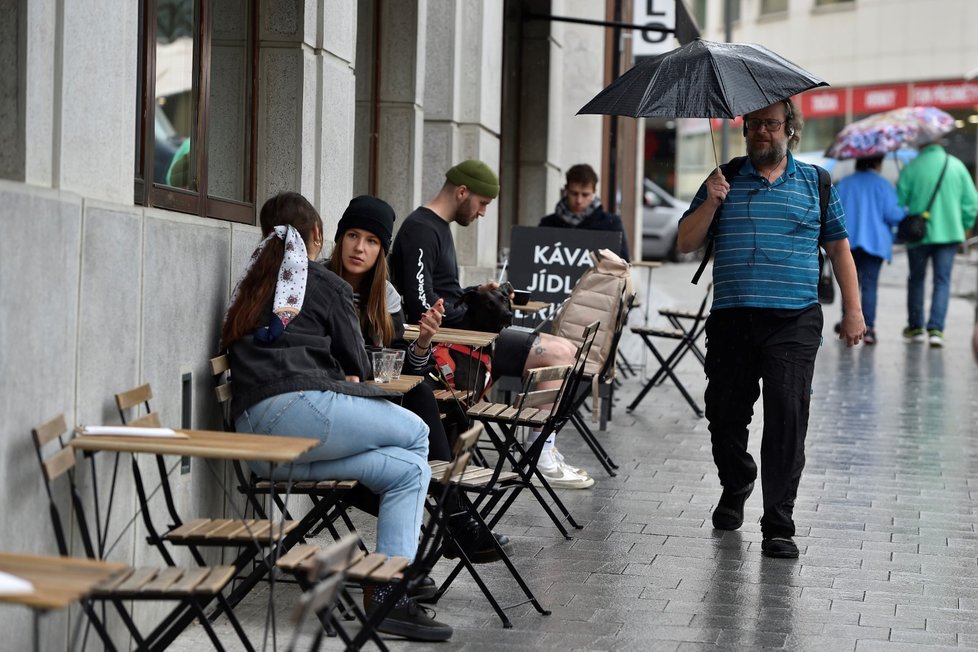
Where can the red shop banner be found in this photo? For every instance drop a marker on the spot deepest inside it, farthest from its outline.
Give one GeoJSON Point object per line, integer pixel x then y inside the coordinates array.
{"type": "Point", "coordinates": [874, 99]}
{"type": "Point", "coordinates": [822, 102]}
{"type": "Point", "coordinates": [946, 94]}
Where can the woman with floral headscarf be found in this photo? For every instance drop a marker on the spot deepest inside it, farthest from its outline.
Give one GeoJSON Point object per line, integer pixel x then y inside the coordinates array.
{"type": "Point", "coordinates": [297, 358]}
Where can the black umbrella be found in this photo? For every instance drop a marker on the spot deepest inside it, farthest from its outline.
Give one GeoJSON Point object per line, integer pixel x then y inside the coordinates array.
{"type": "Point", "coordinates": [703, 79]}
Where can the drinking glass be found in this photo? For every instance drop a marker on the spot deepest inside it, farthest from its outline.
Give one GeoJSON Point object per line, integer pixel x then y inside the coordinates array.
{"type": "Point", "coordinates": [398, 362]}
{"type": "Point", "coordinates": [383, 366]}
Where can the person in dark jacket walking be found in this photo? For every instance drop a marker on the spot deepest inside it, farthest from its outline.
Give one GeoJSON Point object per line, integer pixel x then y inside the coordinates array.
{"type": "Point", "coordinates": [580, 208]}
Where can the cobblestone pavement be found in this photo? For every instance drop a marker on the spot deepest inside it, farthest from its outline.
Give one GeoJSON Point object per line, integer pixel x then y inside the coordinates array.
{"type": "Point", "coordinates": [886, 517]}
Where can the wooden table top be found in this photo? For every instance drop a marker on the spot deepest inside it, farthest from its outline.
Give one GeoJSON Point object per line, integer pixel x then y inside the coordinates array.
{"type": "Point", "coordinates": [476, 339]}
{"type": "Point", "coordinates": [403, 384]}
{"type": "Point", "coordinates": [58, 581]}
{"type": "Point", "coordinates": [215, 444]}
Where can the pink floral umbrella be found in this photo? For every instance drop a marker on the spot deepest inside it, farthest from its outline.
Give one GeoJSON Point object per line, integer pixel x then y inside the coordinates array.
{"type": "Point", "coordinates": [881, 133]}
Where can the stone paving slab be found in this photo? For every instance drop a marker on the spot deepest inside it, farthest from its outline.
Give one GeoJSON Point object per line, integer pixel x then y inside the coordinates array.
{"type": "Point", "coordinates": [887, 516]}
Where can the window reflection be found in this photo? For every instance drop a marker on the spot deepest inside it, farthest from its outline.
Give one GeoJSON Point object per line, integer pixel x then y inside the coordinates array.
{"type": "Point", "coordinates": [174, 123]}
{"type": "Point", "coordinates": [229, 109]}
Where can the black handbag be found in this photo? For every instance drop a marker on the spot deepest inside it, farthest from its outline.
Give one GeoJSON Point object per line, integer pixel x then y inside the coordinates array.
{"type": "Point", "coordinates": [913, 228]}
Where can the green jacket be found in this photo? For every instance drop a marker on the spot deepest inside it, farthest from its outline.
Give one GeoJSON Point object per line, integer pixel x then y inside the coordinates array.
{"type": "Point", "coordinates": [956, 203]}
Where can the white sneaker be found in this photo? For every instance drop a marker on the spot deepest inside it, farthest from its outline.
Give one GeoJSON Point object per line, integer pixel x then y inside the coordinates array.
{"type": "Point", "coordinates": [576, 469]}
{"type": "Point", "coordinates": [560, 476]}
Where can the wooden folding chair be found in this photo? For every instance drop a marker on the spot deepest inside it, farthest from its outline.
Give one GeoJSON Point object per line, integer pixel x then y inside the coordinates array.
{"type": "Point", "coordinates": [686, 338]}
{"type": "Point", "coordinates": [259, 542]}
{"type": "Point", "coordinates": [355, 565]}
{"type": "Point", "coordinates": [192, 588]}
{"type": "Point", "coordinates": [324, 572]}
{"type": "Point", "coordinates": [254, 488]}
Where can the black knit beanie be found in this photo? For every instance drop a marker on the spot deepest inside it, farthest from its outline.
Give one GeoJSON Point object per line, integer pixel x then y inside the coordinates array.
{"type": "Point", "coordinates": [370, 214]}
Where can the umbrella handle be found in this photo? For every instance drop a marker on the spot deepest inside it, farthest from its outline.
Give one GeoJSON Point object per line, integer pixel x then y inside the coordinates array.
{"type": "Point", "coordinates": [716, 159]}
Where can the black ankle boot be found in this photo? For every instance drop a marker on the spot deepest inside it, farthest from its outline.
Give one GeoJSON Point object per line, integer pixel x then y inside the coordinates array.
{"type": "Point", "coordinates": [474, 538]}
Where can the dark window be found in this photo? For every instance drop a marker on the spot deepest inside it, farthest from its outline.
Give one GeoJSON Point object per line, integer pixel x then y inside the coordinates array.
{"type": "Point", "coordinates": [195, 126]}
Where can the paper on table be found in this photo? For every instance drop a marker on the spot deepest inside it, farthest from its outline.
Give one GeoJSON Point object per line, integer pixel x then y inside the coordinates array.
{"type": "Point", "coordinates": [130, 431]}
{"type": "Point", "coordinates": [13, 585]}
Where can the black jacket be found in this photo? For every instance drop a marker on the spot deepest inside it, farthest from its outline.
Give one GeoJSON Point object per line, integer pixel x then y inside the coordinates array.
{"type": "Point", "coordinates": [318, 349]}
{"type": "Point", "coordinates": [599, 220]}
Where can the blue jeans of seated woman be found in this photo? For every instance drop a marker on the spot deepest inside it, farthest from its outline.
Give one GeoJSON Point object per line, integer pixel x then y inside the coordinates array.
{"type": "Point", "coordinates": [367, 439]}
{"type": "Point", "coordinates": [942, 257]}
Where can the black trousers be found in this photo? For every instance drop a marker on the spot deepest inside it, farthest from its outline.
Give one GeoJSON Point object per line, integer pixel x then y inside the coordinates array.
{"type": "Point", "coordinates": [744, 347]}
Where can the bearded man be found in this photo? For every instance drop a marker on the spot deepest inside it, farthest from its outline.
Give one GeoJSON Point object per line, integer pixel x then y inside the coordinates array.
{"type": "Point", "coordinates": [765, 322]}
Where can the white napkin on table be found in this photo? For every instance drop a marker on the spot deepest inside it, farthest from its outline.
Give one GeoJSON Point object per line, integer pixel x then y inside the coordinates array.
{"type": "Point", "coordinates": [130, 431]}
{"type": "Point", "coordinates": [13, 585]}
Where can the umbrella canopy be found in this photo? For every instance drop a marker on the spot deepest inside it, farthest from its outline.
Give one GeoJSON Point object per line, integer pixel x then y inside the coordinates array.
{"type": "Point", "coordinates": [703, 79]}
{"type": "Point", "coordinates": [888, 131]}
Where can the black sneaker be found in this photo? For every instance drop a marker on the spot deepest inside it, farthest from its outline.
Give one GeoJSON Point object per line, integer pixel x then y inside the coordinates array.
{"type": "Point", "coordinates": [473, 537]}
{"type": "Point", "coordinates": [413, 622]}
{"type": "Point", "coordinates": [729, 512]}
{"type": "Point", "coordinates": [779, 548]}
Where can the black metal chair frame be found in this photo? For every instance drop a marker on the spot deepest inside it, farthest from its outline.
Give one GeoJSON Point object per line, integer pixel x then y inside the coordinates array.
{"type": "Point", "coordinates": [686, 338]}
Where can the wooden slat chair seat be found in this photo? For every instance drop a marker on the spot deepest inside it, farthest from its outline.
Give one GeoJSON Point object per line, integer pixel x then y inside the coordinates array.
{"type": "Point", "coordinates": [165, 583]}
{"type": "Point", "coordinates": [473, 477]}
{"type": "Point", "coordinates": [461, 395]}
{"type": "Point", "coordinates": [193, 588]}
{"type": "Point", "coordinates": [253, 487]}
{"type": "Point", "coordinates": [361, 567]}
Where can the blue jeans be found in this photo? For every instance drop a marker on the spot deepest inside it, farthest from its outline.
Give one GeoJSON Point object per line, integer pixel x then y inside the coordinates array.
{"type": "Point", "coordinates": [367, 439]}
{"type": "Point", "coordinates": [868, 272]}
{"type": "Point", "coordinates": [942, 256]}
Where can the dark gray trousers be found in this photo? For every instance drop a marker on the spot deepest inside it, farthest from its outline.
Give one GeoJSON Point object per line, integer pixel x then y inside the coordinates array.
{"type": "Point", "coordinates": [744, 347]}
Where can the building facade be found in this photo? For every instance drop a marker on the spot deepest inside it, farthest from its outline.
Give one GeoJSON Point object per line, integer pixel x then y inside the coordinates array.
{"type": "Point", "coordinates": [139, 139]}
{"type": "Point", "coordinates": [875, 54]}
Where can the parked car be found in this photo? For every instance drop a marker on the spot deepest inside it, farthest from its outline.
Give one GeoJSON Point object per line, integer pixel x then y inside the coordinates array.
{"type": "Point", "coordinates": [660, 223]}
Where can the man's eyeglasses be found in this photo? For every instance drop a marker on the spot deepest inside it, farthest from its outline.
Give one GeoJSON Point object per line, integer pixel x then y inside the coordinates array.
{"type": "Point", "coordinates": [770, 125]}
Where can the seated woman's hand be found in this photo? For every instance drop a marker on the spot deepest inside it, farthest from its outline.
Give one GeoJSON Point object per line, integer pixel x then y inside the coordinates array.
{"type": "Point", "coordinates": [430, 323]}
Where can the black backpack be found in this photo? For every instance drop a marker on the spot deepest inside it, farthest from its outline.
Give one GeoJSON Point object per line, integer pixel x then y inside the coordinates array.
{"type": "Point", "coordinates": [731, 170]}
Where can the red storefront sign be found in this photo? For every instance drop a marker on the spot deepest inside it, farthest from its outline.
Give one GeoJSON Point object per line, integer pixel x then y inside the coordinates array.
{"type": "Point", "coordinates": [822, 102]}
{"type": "Point", "coordinates": [873, 99]}
{"type": "Point", "coordinates": [946, 94]}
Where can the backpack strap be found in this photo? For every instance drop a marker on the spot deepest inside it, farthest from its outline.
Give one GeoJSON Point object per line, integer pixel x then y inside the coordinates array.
{"type": "Point", "coordinates": [729, 171]}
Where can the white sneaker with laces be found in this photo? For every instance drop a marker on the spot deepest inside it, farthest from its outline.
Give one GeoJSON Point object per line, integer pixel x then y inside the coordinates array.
{"type": "Point", "coordinates": [576, 469]}
{"type": "Point", "coordinates": [560, 476]}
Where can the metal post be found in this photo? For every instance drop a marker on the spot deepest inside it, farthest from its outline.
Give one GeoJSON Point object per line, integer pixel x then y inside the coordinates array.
{"type": "Point", "coordinates": [612, 200]}
{"type": "Point", "coordinates": [727, 36]}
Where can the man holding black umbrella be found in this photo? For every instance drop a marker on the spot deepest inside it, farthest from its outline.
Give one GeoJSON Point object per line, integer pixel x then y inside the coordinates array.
{"type": "Point", "coordinates": [765, 321]}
